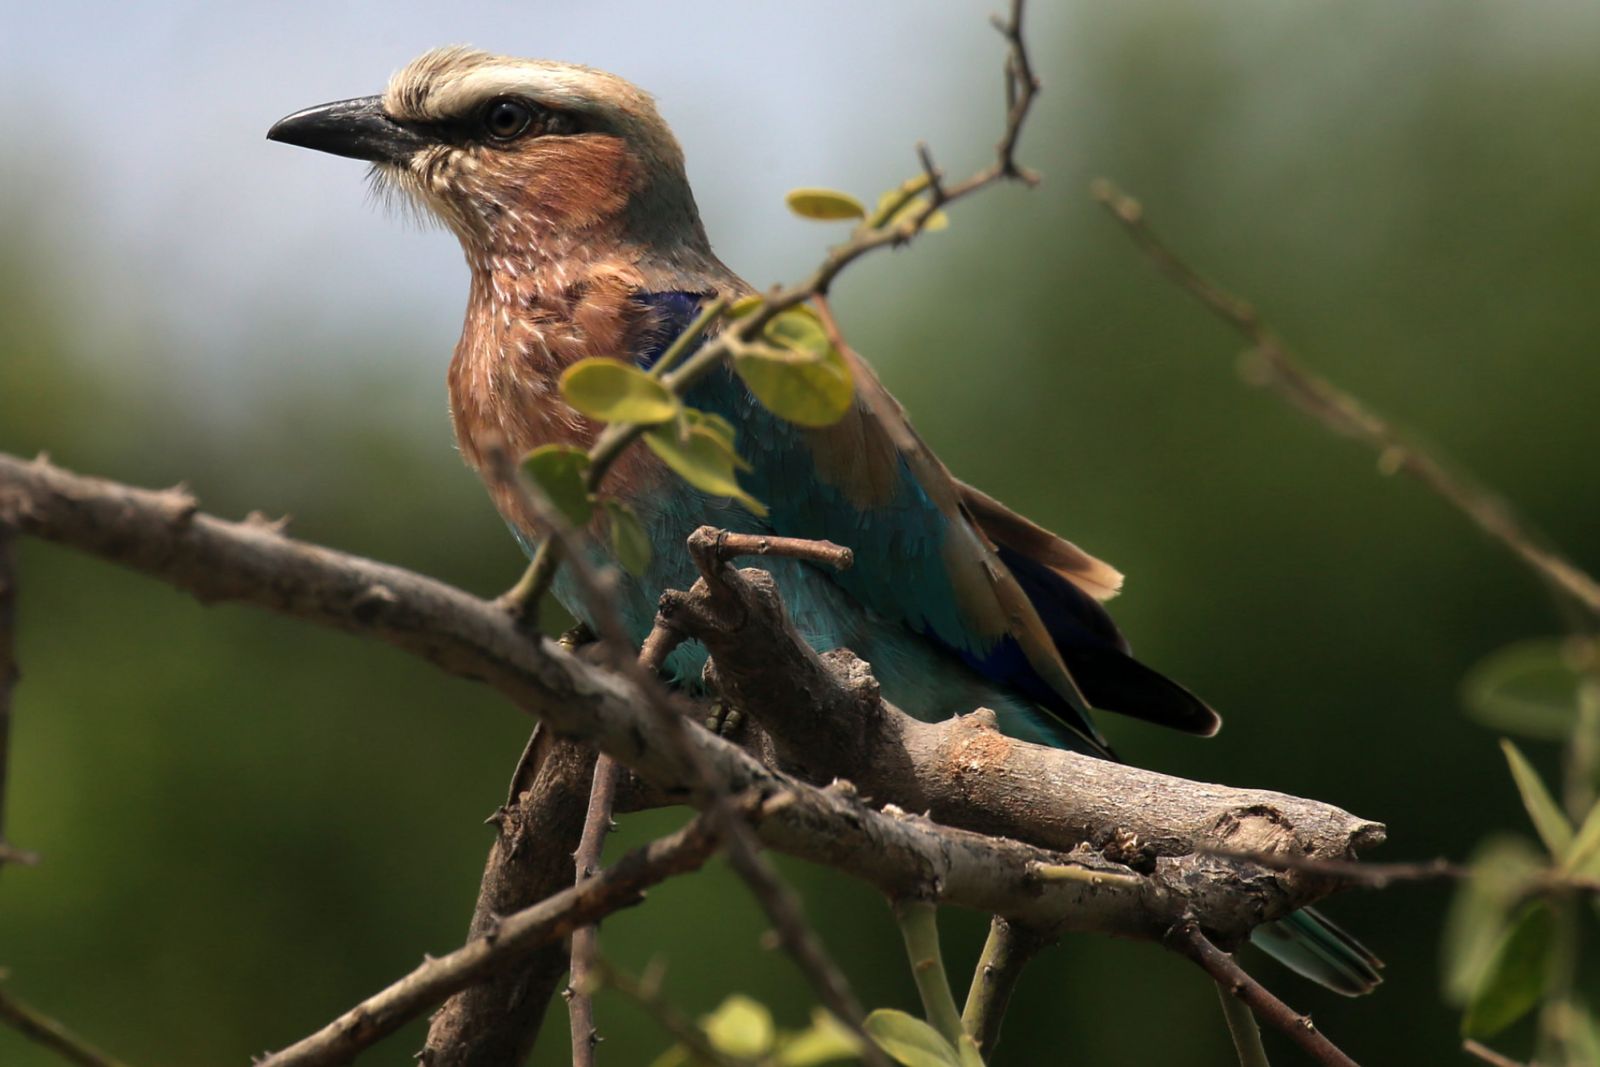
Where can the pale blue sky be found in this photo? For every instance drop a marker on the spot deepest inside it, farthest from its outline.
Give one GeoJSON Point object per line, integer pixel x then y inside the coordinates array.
{"type": "Point", "coordinates": [133, 133]}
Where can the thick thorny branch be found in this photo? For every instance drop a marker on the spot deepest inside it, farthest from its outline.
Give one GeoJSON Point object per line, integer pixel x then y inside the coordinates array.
{"type": "Point", "coordinates": [1142, 843]}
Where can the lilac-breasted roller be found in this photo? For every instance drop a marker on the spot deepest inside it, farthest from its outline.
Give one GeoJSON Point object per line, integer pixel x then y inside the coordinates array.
{"type": "Point", "coordinates": [569, 196]}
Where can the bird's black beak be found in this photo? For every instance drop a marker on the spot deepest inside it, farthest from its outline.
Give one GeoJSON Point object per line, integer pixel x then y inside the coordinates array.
{"type": "Point", "coordinates": [357, 129]}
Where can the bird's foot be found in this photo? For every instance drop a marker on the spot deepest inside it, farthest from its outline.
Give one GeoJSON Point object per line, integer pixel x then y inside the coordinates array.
{"type": "Point", "coordinates": [723, 720]}
{"type": "Point", "coordinates": [575, 638]}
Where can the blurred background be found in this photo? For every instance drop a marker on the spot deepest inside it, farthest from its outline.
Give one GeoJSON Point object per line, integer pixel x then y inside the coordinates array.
{"type": "Point", "coordinates": [247, 824]}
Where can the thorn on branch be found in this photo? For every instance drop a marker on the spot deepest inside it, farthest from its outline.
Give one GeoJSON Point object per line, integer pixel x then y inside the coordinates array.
{"type": "Point", "coordinates": [370, 604]}
{"type": "Point", "coordinates": [936, 194]}
{"type": "Point", "coordinates": [260, 520]}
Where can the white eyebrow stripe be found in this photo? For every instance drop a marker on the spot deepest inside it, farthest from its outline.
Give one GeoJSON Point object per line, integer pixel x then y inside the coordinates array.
{"type": "Point", "coordinates": [450, 83]}
{"type": "Point", "coordinates": [457, 96]}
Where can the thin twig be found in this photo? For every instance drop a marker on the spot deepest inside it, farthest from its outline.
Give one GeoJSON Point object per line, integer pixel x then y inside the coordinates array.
{"type": "Point", "coordinates": [1021, 88]}
{"type": "Point", "coordinates": [1187, 939]}
{"type": "Point", "coordinates": [1244, 1030]}
{"type": "Point", "coordinates": [1372, 876]}
{"type": "Point", "coordinates": [535, 832]}
{"type": "Point", "coordinates": [1344, 414]}
{"type": "Point", "coordinates": [617, 887]}
{"type": "Point", "coordinates": [646, 993]}
{"type": "Point", "coordinates": [734, 545]}
{"type": "Point", "coordinates": [1488, 1055]}
{"type": "Point", "coordinates": [919, 927]}
{"type": "Point", "coordinates": [40, 1028]}
{"type": "Point", "coordinates": [1382, 875]}
{"type": "Point", "coordinates": [1006, 952]}
{"type": "Point", "coordinates": [597, 823]}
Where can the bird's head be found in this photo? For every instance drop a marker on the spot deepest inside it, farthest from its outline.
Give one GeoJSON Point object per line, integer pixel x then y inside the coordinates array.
{"type": "Point", "coordinates": [516, 152]}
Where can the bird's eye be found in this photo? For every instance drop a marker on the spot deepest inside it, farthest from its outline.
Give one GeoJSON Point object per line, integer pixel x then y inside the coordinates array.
{"type": "Point", "coordinates": [505, 119]}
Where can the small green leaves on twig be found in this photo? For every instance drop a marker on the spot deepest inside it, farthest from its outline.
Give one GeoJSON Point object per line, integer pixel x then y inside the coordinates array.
{"type": "Point", "coordinates": [613, 391]}
{"type": "Point", "coordinates": [824, 205]}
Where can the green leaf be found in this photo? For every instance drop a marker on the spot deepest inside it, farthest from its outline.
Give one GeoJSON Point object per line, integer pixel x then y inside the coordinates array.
{"type": "Point", "coordinates": [629, 543]}
{"type": "Point", "coordinates": [909, 1041]}
{"type": "Point", "coordinates": [1554, 829]}
{"type": "Point", "coordinates": [1517, 973]}
{"type": "Point", "coordinates": [740, 1027]}
{"type": "Point", "coordinates": [826, 1040]}
{"type": "Point", "coordinates": [703, 459]}
{"type": "Point", "coordinates": [826, 205]}
{"type": "Point", "coordinates": [937, 221]}
{"type": "Point", "coordinates": [798, 330]}
{"type": "Point", "coordinates": [558, 470]}
{"type": "Point", "coordinates": [1502, 867]}
{"type": "Point", "coordinates": [1529, 688]}
{"type": "Point", "coordinates": [798, 375]}
{"type": "Point", "coordinates": [805, 392]}
{"type": "Point", "coordinates": [613, 391]}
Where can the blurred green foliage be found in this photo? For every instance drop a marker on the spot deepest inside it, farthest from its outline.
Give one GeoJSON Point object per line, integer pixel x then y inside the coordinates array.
{"type": "Point", "coordinates": [247, 824]}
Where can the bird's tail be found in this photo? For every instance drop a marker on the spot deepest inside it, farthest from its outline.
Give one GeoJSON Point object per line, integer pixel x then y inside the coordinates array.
{"type": "Point", "coordinates": [1310, 945]}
